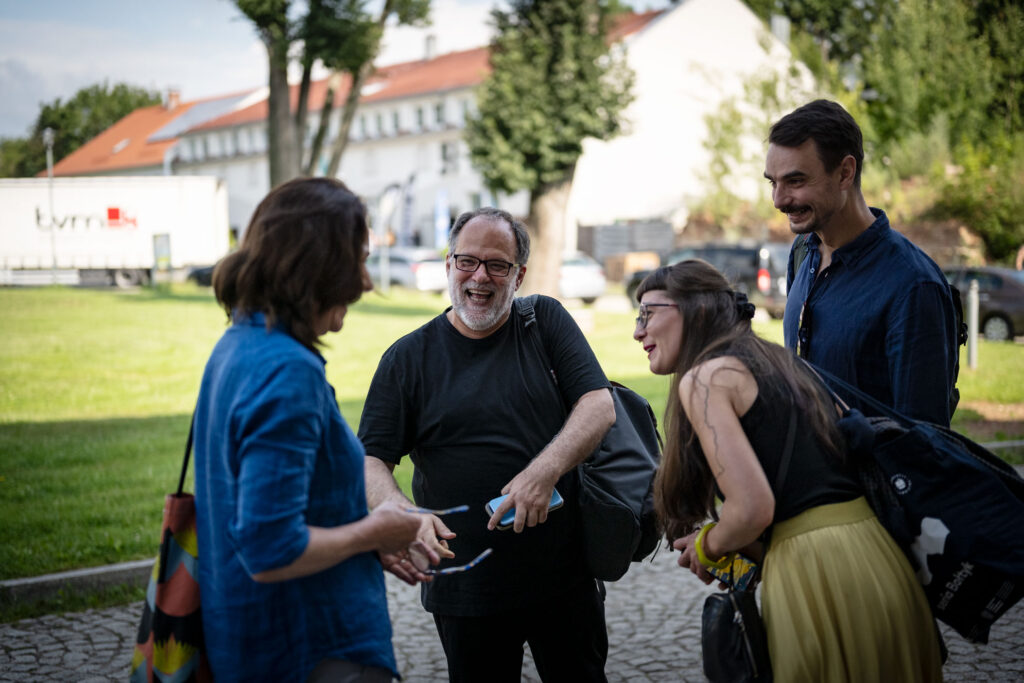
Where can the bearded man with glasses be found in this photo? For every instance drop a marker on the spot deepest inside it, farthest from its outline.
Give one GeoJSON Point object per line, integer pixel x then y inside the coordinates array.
{"type": "Point", "coordinates": [473, 405]}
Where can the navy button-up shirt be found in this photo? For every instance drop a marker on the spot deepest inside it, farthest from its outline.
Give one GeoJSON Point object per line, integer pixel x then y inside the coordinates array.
{"type": "Point", "coordinates": [880, 316]}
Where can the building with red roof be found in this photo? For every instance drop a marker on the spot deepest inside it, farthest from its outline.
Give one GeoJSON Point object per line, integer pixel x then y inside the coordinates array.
{"type": "Point", "coordinates": [406, 140]}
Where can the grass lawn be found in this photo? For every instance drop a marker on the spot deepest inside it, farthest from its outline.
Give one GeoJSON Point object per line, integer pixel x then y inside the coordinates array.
{"type": "Point", "coordinates": [97, 387]}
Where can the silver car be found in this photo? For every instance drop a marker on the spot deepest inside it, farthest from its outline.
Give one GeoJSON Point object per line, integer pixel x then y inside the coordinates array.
{"type": "Point", "coordinates": [581, 277]}
{"type": "Point", "coordinates": [411, 267]}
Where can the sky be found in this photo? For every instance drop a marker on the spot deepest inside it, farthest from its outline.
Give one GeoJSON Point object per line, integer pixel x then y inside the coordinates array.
{"type": "Point", "coordinates": [51, 48]}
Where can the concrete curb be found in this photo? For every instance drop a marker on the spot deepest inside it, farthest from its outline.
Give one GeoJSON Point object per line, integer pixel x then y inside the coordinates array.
{"type": "Point", "coordinates": [48, 585]}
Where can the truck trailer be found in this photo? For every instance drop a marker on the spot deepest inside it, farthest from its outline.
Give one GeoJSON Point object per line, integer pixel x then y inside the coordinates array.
{"type": "Point", "coordinates": [116, 230]}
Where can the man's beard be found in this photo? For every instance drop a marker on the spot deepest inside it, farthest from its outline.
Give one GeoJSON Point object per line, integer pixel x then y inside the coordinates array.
{"type": "Point", "coordinates": [497, 307]}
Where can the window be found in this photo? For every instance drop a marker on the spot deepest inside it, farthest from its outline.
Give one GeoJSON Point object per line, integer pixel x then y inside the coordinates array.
{"type": "Point", "coordinates": [380, 125]}
{"type": "Point", "coordinates": [449, 157]}
{"type": "Point", "coordinates": [395, 122]}
{"type": "Point", "coordinates": [419, 118]}
{"type": "Point", "coordinates": [439, 114]}
{"type": "Point", "coordinates": [362, 127]}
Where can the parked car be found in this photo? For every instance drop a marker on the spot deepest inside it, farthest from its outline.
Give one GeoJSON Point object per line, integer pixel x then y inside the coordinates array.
{"type": "Point", "coordinates": [581, 277]}
{"type": "Point", "coordinates": [1000, 298]}
{"type": "Point", "coordinates": [202, 275]}
{"type": "Point", "coordinates": [413, 267]}
{"type": "Point", "coordinates": [757, 269]}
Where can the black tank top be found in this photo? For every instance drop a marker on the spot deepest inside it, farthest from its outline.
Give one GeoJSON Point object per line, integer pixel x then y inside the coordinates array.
{"type": "Point", "coordinates": [815, 477]}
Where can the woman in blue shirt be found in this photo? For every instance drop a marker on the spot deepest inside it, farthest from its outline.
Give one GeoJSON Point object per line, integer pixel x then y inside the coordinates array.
{"type": "Point", "coordinates": [290, 579]}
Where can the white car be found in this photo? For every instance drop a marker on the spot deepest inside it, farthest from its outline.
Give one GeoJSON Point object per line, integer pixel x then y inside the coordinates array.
{"type": "Point", "coordinates": [415, 268]}
{"type": "Point", "coordinates": [581, 277]}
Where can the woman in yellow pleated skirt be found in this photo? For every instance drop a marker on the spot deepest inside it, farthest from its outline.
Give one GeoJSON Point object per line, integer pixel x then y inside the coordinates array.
{"type": "Point", "coordinates": [751, 425]}
{"type": "Point", "coordinates": [841, 603]}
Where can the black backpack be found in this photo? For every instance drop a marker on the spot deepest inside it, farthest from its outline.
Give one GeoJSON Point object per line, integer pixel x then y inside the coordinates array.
{"type": "Point", "coordinates": [616, 496]}
{"type": "Point", "coordinates": [800, 250]}
{"type": "Point", "coordinates": [954, 508]}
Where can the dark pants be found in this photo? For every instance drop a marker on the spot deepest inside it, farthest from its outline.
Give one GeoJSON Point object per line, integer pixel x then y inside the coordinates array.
{"type": "Point", "coordinates": [567, 636]}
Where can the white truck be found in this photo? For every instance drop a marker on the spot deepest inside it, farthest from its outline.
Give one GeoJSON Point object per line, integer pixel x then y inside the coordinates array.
{"type": "Point", "coordinates": [116, 230]}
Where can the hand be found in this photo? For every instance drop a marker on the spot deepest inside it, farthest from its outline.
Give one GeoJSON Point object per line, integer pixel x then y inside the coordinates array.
{"type": "Point", "coordinates": [529, 493]}
{"type": "Point", "coordinates": [689, 560]}
{"type": "Point", "coordinates": [392, 527]}
{"type": "Point", "coordinates": [408, 565]}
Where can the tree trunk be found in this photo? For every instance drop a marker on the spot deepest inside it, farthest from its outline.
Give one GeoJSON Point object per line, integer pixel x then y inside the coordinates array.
{"type": "Point", "coordinates": [347, 116]}
{"type": "Point", "coordinates": [282, 146]}
{"type": "Point", "coordinates": [302, 110]}
{"type": "Point", "coordinates": [333, 83]}
{"type": "Point", "coordinates": [546, 225]}
{"type": "Point", "coordinates": [352, 100]}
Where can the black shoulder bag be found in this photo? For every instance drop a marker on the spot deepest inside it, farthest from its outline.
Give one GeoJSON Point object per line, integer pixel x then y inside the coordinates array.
{"type": "Point", "coordinates": [616, 497]}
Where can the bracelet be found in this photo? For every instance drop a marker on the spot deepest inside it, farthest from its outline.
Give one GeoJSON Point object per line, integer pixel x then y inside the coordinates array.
{"type": "Point", "coordinates": [698, 546]}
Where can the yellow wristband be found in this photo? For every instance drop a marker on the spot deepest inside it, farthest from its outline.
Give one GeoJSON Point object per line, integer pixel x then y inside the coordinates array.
{"type": "Point", "coordinates": [698, 546]}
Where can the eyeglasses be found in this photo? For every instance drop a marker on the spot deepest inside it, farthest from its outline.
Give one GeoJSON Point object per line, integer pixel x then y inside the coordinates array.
{"type": "Point", "coordinates": [460, 568]}
{"type": "Point", "coordinates": [645, 313]}
{"type": "Point", "coordinates": [469, 264]}
{"type": "Point", "coordinates": [445, 570]}
{"type": "Point", "coordinates": [803, 332]}
{"type": "Point", "coordinates": [446, 511]}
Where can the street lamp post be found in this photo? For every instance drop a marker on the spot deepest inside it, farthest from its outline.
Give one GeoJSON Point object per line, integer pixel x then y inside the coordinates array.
{"type": "Point", "coordinates": [48, 141]}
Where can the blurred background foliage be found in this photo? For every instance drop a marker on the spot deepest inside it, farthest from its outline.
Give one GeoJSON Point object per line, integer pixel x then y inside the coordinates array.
{"type": "Point", "coordinates": [938, 89]}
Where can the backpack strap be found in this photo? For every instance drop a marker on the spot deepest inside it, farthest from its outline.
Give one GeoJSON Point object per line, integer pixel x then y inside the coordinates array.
{"type": "Point", "coordinates": [525, 307]}
{"type": "Point", "coordinates": [961, 339]}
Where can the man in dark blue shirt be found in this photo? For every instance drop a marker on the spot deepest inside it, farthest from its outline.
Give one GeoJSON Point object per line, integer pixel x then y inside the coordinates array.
{"type": "Point", "coordinates": [864, 302]}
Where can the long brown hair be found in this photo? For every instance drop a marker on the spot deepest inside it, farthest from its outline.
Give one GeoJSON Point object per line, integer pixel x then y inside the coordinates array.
{"type": "Point", "coordinates": [713, 326]}
{"type": "Point", "coordinates": [300, 256]}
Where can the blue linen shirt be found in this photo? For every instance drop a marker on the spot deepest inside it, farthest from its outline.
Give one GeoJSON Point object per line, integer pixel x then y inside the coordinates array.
{"type": "Point", "coordinates": [273, 455]}
{"type": "Point", "coordinates": [880, 316]}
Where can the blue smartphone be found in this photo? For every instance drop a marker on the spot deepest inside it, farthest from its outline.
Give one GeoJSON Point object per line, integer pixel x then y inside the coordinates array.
{"type": "Point", "coordinates": [510, 515]}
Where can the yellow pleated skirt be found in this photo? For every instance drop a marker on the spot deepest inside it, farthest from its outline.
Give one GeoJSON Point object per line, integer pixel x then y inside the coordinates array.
{"type": "Point", "coordinates": [840, 602]}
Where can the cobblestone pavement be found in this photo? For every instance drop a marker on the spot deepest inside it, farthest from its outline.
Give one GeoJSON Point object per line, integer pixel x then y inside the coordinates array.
{"type": "Point", "coordinates": [653, 623]}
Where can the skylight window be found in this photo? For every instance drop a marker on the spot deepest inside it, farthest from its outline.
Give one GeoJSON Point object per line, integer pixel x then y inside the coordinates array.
{"type": "Point", "coordinates": [121, 145]}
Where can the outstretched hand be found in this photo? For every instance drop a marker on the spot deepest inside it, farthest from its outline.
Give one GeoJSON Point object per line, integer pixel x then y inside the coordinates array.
{"type": "Point", "coordinates": [429, 548]}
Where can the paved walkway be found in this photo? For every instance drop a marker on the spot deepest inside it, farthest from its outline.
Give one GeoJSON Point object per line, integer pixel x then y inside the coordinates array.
{"type": "Point", "coordinates": [653, 623]}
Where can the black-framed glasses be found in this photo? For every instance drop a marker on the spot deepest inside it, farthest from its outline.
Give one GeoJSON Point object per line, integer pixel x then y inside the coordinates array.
{"type": "Point", "coordinates": [460, 568]}
{"type": "Point", "coordinates": [645, 313]}
{"type": "Point", "coordinates": [469, 264]}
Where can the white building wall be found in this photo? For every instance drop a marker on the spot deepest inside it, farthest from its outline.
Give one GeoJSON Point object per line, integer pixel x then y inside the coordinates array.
{"type": "Point", "coordinates": [686, 63]}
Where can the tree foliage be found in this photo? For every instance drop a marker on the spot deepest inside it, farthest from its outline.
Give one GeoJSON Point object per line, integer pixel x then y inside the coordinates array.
{"type": "Point", "coordinates": [85, 115]}
{"type": "Point", "coordinates": [554, 83]}
{"type": "Point", "coordinates": [344, 35]}
{"type": "Point", "coordinates": [938, 89]}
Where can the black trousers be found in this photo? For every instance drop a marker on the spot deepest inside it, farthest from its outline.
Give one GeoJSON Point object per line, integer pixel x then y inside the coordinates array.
{"type": "Point", "coordinates": [567, 637]}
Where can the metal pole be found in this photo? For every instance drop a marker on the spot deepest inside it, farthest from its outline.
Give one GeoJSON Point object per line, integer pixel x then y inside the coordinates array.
{"type": "Point", "coordinates": [972, 325]}
{"type": "Point", "coordinates": [48, 141]}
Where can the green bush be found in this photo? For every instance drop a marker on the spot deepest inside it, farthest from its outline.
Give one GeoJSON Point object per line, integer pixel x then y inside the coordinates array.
{"type": "Point", "coordinates": [988, 196]}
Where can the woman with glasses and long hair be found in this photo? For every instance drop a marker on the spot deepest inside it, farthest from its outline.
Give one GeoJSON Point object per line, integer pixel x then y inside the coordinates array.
{"type": "Point", "coordinates": [290, 574]}
{"type": "Point", "coordinates": [840, 600]}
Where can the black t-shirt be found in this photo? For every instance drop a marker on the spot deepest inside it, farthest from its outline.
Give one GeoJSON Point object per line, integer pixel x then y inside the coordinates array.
{"type": "Point", "coordinates": [472, 413]}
